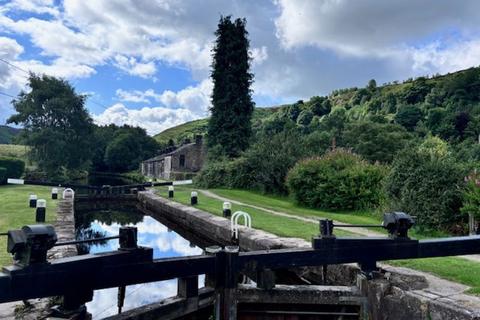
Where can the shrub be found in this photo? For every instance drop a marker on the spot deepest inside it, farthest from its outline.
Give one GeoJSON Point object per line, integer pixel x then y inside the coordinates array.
{"type": "Point", "coordinates": [14, 167]}
{"type": "Point", "coordinates": [427, 185]}
{"type": "Point", "coordinates": [337, 180]}
{"type": "Point", "coordinates": [226, 173]}
{"type": "Point", "coordinates": [3, 175]}
{"type": "Point", "coordinates": [263, 166]}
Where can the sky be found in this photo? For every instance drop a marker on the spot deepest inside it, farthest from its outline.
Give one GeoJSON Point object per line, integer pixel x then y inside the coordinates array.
{"type": "Point", "coordinates": [147, 62]}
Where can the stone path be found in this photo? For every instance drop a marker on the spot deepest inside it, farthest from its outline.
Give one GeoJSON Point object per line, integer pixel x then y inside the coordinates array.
{"type": "Point", "coordinates": [359, 231]}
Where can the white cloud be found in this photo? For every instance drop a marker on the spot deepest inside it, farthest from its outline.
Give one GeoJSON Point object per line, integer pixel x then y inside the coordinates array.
{"type": "Point", "coordinates": [259, 55]}
{"type": "Point", "coordinates": [194, 98]}
{"type": "Point", "coordinates": [35, 6]}
{"type": "Point", "coordinates": [369, 27]}
{"type": "Point", "coordinates": [133, 67]}
{"type": "Point", "coordinates": [435, 58]}
{"type": "Point", "coordinates": [154, 119]}
{"type": "Point", "coordinates": [299, 48]}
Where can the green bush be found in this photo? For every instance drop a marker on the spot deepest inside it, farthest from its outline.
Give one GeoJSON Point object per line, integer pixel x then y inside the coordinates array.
{"type": "Point", "coordinates": [14, 167]}
{"type": "Point", "coordinates": [3, 175]}
{"type": "Point", "coordinates": [427, 185]}
{"type": "Point", "coordinates": [337, 180]}
{"type": "Point", "coordinates": [226, 173]}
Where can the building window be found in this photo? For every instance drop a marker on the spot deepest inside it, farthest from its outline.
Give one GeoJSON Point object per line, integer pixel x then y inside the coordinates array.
{"type": "Point", "coordinates": [182, 161]}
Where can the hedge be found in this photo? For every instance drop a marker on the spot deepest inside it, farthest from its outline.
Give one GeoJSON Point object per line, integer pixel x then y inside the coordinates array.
{"type": "Point", "coordinates": [3, 175]}
{"type": "Point", "coordinates": [14, 167]}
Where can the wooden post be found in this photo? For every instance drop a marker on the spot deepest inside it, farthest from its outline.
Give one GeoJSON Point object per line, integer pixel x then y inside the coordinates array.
{"type": "Point", "coordinates": [188, 287]}
{"type": "Point", "coordinates": [226, 274]}
{"type": "Point", "coordinates": [265, 279]}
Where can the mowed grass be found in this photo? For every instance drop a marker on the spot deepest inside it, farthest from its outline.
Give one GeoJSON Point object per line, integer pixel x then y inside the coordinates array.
{"type": "Point", "coordinates": [451, 268]}
{"type": "Point", "coordinates": [287, 205]}
{"type": "Point", "coordinates": [456, 269]}
{"type": "Point", "coordinates": [15, 211]}
{"type": "Point", "coordinates": [281, 226]}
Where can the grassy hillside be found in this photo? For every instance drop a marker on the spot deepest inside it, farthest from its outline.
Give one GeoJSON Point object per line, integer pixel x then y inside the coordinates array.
{"type": "Point", "coordinates": [13, 150]}
{"type": "Point", "coordinates": [186, 130]}
{"type": "Point", "coordinates": [7, 134]}
{"type": "Point", "coordinates": [192, 128]}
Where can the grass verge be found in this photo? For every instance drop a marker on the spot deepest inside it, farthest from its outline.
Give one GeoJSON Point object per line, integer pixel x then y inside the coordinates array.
{"type": "Point", "coordinates": [15, 212]}
{"type": "Point", "coordinates": [262, 220]}
{"type": "Point", "coordinates": [451, 268]}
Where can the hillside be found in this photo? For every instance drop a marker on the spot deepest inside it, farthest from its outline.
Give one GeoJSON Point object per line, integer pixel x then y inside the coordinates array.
{"type": "Point", "coordinates": [7, 134]}
{"type": "Point", "coordinates": [436, 104]}
{"type": "Point", "coordinates": [192, 128]}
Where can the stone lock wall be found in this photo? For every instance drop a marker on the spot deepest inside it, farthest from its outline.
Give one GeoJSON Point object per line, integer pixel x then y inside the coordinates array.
{"type": "Point", "coordinates": [394, 293]}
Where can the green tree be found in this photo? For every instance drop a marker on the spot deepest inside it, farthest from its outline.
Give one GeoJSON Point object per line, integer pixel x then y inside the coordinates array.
{"type": "Point", "coordinates": [130, 146]}
{"type": "Point", "coordinates": [375, 141]}
{"type": "Point", "coordinates": [229, 126]}
{"type": "Point", "coordinates": [56, 125]}
{"type": "Point", "coordinates": [427, 185]}
{"type": "Point", "coordinates": [408, 116]}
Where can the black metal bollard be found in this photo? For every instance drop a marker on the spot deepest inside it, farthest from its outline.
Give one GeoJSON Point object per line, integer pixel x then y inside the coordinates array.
{"type": "Point", "coordinates": [227, 209]}
{"type": "Point", "coordinates": [41, 210]}
{"type": "Point", "coordinates": [54, 193]}
{"type": "Point", "coordinates": [193, 198]}
{"type": "Point", "coordinates": [170, 191]}
{"type": "Point", "coordinates": [33, 201]}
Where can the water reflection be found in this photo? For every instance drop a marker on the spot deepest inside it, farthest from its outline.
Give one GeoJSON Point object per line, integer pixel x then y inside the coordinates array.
{"type": "Point", "coordinates": [151, 233]}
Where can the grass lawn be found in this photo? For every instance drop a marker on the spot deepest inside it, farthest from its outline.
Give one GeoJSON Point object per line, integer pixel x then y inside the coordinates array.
{"type": "Point", "coordinates": [262, 220]}
{"type": "Point", "coordinates": [15, 212]}
{"type": "Point", "coordinates": [452, 268]}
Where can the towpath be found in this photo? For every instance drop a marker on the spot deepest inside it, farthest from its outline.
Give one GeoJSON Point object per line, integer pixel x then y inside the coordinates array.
{"type": "Point", "coordinates": [359, 231]}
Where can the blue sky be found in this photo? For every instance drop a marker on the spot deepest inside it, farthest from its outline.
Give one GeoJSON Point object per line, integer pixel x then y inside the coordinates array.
{"type": "Point", "coordinates": [147, 63]}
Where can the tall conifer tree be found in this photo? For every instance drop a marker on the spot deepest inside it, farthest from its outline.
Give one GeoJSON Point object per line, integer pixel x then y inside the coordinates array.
{"type": "Point", "coordinates": [229, 128]}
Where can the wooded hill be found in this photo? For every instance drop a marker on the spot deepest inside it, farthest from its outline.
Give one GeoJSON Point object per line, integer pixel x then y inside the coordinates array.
{"type": "Point", "coordinates": [7, 134]}
{"type": "Point", "coordinates": [445, 105]}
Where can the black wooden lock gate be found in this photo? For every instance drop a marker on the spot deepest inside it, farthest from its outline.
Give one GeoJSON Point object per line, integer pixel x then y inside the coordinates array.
{"type": "Point", "coordinates": [75, 278]}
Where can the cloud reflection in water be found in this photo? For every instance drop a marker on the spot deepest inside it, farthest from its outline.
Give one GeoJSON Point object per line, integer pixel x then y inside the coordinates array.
{"type": "Point", "coordinates": [165, 243]}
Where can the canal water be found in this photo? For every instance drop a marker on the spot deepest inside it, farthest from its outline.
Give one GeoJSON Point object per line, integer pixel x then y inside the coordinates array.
{"type": "Point", "coordinates": [151, 233]}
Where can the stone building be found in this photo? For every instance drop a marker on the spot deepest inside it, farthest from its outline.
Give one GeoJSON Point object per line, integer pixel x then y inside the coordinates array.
{"type": "Point", "coordinates": [180, 163]}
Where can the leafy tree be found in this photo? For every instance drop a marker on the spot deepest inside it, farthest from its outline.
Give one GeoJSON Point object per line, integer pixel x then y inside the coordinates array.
{"type": "Point", "coordinates": [129, 147]}
{"type": "Point", "coordinates": [320, 105]}
{"type": "Point", "coordinates": [417, 91]}
{"type": "Point", "coordinates": [305, 117]}
{"type": "Point", "coordinates": [56, 125]}
{"type": "Point", "coordinates": [372, 85]}
{"type": "Point", "coordinates": [294, 110]}
{"type": "Point", "coordinates": [230, 124]}
{"type": "Point", "coordinates": [408, 116]}
{"type": "Point", "coordinates": [375, 141]}
{"type": "Point", "coordinates": [427, 185]}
